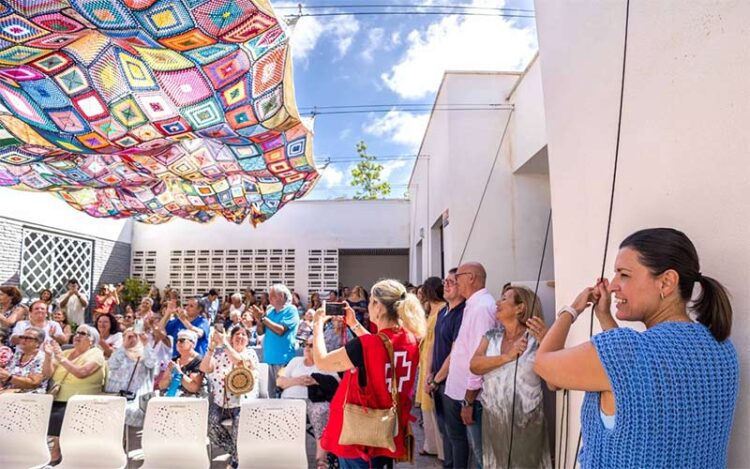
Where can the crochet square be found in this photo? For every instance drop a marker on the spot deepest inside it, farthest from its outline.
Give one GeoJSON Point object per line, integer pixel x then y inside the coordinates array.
{"type": "Point", "coordinates": [72, 80]}
{"type": "Point", "coordinates": [165, 18]}
{"type": "Point", "coordinates": [203, 114]}
{"type": "Point", "coordinates": [184, 87]}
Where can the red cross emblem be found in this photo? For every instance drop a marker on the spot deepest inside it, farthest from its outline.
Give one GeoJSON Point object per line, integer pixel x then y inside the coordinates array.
{"type": "Point", "coordinates": [403, 370]}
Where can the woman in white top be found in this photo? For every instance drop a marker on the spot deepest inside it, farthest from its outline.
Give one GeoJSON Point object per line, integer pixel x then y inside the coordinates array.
{"type": "Point", "coordinates": [236, 305]}
{"type": "Point", "coordinates": [131, 369]}
{"type": "Point", "coordinates": [110, 337]}
{"type": "Point", "coordinates": [222, 356]}
{"type": "Point", "coordinates": [296, 378]}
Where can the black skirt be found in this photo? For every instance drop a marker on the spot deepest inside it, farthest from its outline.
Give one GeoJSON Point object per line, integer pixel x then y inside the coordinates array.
{"type": "Point", "coordinates": [56, 418]}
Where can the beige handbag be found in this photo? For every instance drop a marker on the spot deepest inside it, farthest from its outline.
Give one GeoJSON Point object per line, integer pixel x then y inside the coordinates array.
{"type": "Point", "coordinates": [240, 380]}
{"type": "Point", "coordinates": [372, 427]}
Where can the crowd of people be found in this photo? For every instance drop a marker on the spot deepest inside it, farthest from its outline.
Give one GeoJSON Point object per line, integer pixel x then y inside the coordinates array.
{"type": "Point", "coordinates": [473, 364]}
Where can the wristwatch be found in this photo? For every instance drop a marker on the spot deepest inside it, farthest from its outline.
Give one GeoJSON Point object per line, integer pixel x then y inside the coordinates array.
{"type": "Point", "coordinates": [466, 403]}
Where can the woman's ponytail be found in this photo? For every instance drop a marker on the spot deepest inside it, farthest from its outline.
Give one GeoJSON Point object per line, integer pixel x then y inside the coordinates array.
{"type": "Point", "coordinates": [401, 305]}
{"type": "Point", "coordinates": [713, 309]}
{"type": "Point", "coordinates": [411, 314]}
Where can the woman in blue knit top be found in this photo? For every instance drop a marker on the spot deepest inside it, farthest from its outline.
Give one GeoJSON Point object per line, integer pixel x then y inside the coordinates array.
{"type": "Point", "coordinates": [660, 398]}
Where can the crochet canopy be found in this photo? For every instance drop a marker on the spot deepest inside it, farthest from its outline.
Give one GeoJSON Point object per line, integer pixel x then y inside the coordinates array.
{"type": "Point", "coordinates": [152, 109]}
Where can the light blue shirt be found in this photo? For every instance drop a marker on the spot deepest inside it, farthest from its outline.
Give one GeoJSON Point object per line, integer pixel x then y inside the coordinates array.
{"type": "Point", "coordinates": [280, 349]}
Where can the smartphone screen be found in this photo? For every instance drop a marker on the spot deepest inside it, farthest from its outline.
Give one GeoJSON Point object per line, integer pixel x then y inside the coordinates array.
{"type": "Point", "coordinates": [138, 327]}
{"type": "Point", "coordinates": [333, 308]}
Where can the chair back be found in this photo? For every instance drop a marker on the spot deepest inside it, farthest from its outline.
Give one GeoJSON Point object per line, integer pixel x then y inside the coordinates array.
{"type": "Point", "coordinates": [271, 434]}
{"type": "Point", "coordinates": [263, 370]}
{"type": "Point", "coordinates": [174, 433]}
{"type": "Point", "coordinates": [92, 431]}
{"type": "Point", "coordinates": [24, 419]}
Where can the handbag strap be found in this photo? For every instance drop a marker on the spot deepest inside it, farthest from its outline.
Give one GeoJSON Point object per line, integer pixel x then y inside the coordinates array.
{"type": "Point", "coordinates": [127, 388]}
{"type": "Point", "coordinates": [394, 383]}
{"type": "Point", "coordinates": [394, 386]}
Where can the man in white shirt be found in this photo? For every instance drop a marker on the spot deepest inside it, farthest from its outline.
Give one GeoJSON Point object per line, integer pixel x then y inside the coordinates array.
{"type": "Point", "coordinates": [38, 318]}
{"type": "Point", "coordinates": [463, 412]}
{"type": "Point", "coordinates": [74, 303]}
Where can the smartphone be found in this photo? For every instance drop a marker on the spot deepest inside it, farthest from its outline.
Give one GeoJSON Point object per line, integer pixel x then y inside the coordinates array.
{"type": "Point", "coordinates": [333, 308]}
{"type": "Point", "coordinates": [138, 326]}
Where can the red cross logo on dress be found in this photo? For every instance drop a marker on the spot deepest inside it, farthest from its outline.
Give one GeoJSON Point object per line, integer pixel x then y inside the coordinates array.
{"type": "Point", "coordinates": [401, 364]}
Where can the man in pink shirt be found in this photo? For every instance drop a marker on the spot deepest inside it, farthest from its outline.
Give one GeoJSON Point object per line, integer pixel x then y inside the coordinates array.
{"type": "Point", "coordinates": [463, 411]}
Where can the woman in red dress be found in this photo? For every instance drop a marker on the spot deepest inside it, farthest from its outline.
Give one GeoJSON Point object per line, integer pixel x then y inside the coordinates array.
{"type": "Point", "coordinates": [400, 317]}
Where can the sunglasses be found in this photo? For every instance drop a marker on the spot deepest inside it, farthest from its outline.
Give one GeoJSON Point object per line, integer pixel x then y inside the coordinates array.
{"type": "Point", "coordinates": [25, 337]}
{"type": "Point", "coordinates": [182, 339]}
{"type": "Point", "coordinates": [82, 333]}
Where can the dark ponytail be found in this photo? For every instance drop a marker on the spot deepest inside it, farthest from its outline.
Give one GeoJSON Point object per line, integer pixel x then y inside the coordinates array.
{"type": "Point", "coordinates": [662, 249]}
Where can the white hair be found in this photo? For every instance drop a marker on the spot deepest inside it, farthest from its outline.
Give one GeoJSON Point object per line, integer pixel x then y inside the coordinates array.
{"type": "Point", "coordinates": [93, 333]}
{"type": "Point", "coordinates": [237, 296]}
{"type": "Point", "coordinates": [283, 290]}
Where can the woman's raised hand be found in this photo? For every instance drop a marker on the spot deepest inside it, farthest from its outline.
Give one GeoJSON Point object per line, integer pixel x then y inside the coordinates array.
{"type": "Point", "coordinates": [349, 317]}
{"type": "Point", "coordinates": [519, 346]}
{"type": "Point", "coordinates": [537, 328]}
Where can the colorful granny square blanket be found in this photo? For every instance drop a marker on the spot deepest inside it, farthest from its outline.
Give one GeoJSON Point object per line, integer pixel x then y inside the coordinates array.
{"type": "Point", "coordinates": [152, 109]}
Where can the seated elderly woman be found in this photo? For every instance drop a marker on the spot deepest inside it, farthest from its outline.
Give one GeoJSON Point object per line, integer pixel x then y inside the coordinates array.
{"type": "Point", "coordinates": [24, 372]}
{"type": "Point", "coordinates": [518, 312]}
{"type": "Point", "coordinates": [296, 380]}
{"type": "Point", "coordinates": [221, 358]}
{"type": "Point", "coordinates": [131, 373]}
{"type": "Point", "coordinates": [79, 370]}
{"type": "Point", "coordinates": [183, 376]}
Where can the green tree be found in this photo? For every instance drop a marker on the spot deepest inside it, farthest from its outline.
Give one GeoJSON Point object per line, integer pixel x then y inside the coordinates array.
{"type": "Point", "coordinates": [366, 176]}
{"type": "Point", "coordinates": [134, 291]}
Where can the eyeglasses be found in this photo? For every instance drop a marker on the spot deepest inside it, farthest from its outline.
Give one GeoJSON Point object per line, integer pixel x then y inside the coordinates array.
{"type": "Point", "coordinates": [182, 339]}
{"type": "Point", "coordinates": [25, 337]}
{"type": "Point", "coordinates": [82, 333]}
{"type": "Point", "coordinates": [461, 273]}
{"type": "Point", "coordinates": [447, 282]}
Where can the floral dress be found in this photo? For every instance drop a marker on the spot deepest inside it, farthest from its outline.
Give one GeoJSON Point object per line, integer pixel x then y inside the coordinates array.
{"type": "Point", "coordinates": [33, 366]}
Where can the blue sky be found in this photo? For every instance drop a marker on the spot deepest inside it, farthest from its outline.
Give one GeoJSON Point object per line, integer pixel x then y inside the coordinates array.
{"type": "Point", "coordinates": [352, 60]}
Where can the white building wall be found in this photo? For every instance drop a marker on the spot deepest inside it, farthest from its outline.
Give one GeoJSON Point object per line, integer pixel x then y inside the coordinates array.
{"type": "Point", "coordinates": [111, 239]}
{"type": "Point", "coordinates": [302, 226]}
{"type": "Point", "coordinates": [460, 148]}
{"type": "Point", "coordinates": [684, 146]}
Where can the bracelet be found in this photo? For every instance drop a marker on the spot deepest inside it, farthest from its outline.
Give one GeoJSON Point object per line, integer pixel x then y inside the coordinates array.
{"type": "Point", "coordinates": [356, 326]}
{"type": "Point", "coordinates": [570, 310]}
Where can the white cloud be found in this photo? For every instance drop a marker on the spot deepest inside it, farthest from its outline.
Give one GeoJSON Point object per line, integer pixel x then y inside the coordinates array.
{"type": "Point", "coordinates": [374, 42]}
{"type": "Point", "coordinates": [310, 30]}
{"type": "Point", "coordinates": [389, 167]}
{"type": "Point", "coordinates": [343, 28]}
{"type": "Point", "coordinates": [404, 128]}
{"type": "Point", "coordinates": [331, 177]}
{"type": "Point", "coordinates": [458, 43]}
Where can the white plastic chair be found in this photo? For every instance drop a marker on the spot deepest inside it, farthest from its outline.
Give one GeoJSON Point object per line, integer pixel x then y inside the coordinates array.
{"type": "Point", "coordinates": [272, 434]}
{"type": "Point", "coordinates": [175, 433]}
{"type": "Point", "coordinates": [263, 380]}
{"type": "Point", "coordinates": [92, 433]}
{"type": "Point", "coordinates": [24, 420]}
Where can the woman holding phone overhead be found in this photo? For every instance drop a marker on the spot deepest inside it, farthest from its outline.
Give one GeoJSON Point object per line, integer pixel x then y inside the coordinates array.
{"type": "Point", "coordinates": [366, 361]}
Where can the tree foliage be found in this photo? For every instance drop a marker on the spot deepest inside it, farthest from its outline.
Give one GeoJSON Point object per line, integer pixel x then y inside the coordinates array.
{"type": "Point", "coordinates": [366, 176]}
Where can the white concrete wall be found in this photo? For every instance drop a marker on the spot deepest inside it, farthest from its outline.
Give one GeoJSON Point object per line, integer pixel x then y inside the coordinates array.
{"type": "Point", "coordinates": [684, 146]}
{"type": "Point", "coordinates": [47, 210]}
{"type": "Point", "coordinates": [302, 225]}
{"type": "Point", "coordinates": [461, 146]}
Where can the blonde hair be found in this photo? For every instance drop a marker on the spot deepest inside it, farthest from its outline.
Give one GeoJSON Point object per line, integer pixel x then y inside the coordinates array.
{"type": "Point", "coordinates": [532, 305]}
{"type": "Point", "coordinates": [400, 305]}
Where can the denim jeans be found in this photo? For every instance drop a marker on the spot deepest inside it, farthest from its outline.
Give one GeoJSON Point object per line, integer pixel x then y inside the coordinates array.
{"type": "Point", "coordinates": [475, 434]}
{"type": "Point", "coordinates": [456, 436]}
{"type": "Point", "coordinates": [440, 416]}
{"type": "Point", "coordinates": [380, 462]}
